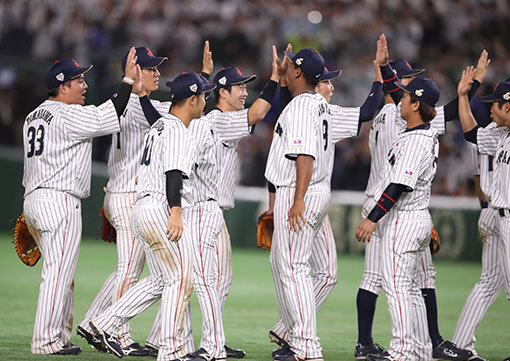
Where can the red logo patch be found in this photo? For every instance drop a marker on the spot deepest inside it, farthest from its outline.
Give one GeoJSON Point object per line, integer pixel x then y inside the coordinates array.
{"type": "Point", "coordinates": [149, 52]}
{"type": "Point", "coordinates": [238, 71]}
{"type": "Point", "coordinates": [75, 63]}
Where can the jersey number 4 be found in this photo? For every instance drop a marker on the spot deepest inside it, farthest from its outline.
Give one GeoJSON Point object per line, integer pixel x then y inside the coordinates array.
{"type": "Point", "coordinates": [35, 141]}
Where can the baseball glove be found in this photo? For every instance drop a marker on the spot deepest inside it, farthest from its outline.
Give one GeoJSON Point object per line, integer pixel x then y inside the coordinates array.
{"type": "Point", "coordinates": [435, 241]}
{"type": "Point", "coordinates": [108, 233]}
{"type": "Point", "coordinates": [24, 243]}
{"type": "Point", "coordinates": [265, 227]}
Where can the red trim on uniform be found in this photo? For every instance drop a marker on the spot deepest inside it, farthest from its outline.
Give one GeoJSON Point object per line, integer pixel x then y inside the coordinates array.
{"type": "Point", "coordinates": [384, 209]}
{"type": "Point", "coordinates": [58, 278]}
{"type": "Point", "coordinates": [203, 273]}
{"type": "Point", "coordinates": [394, 77]}
{"type": "Point", "coordinates": [391, 199]}
{"type": "Point", "coordinates": [178, 298]}
{"type": "Point", "coordinates": [393, 90]}
{"type": "Point", "coordinates": [294, 280]}
{"type": "Point", "coordinates": [216, 247]}
{"type": "Point", "coordinates": [395, 287]}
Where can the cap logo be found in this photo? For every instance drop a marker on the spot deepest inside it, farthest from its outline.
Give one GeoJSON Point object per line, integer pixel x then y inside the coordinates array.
{"type": "Point", "coordinates": [238, 71]}
{"type": "Point", "coordinates": [75, 63]}
{"type": "Point", "coordinates": [419, 92]}
{"type": "Point", "coordinates": [222, 80]}
{"type": "Point", "coordinates": [193, 88]}
{"type": "Point", "coordinates": [149, 52]}
{"type": "Point", "coordinates": [299, 61]}
{"type": "Point", "coordinates": [60, 76]}
{"type": "Point", "coordinates": [506, 96]}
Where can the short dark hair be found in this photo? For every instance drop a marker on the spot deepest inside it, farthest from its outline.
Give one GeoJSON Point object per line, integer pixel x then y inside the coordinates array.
{"type": "Point", "coordinates": [217, 93]}
{"type": "Point", "coordinates": [501, 102]}
{"type": "Point", "coordinates": [311, 80]}
{"type": "Point", "coordinates": [427, 112]}
{"type": "Point", "coordinates": [179, 103]}
{"type": "Point", "coordinates": [54, 92]}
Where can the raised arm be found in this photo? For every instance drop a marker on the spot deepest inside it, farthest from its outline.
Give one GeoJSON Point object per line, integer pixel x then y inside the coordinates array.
{"type": "Point", "coordinates": [260, 107]}
{"type": "Point", "coordinates": [469, 125]}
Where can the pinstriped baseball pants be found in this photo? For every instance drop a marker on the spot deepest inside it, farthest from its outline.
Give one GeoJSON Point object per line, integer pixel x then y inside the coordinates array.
{"type": "Point", "coordinates": [54, 220]}
{"type": "Point", "coordinates": [170, 266]}
{"type": "Point", "coordinates": [325, 271]}
{"type": "Point", "coordinates": [504, 251]}
{"type": "Point", "coordinates": [290, 255]}
{"type": "Point", "coordinates": [485, 292]}
{"type": "Point", "coordinates": [131, 260]}
{"type": "Point", "coordinates": [404, 236]}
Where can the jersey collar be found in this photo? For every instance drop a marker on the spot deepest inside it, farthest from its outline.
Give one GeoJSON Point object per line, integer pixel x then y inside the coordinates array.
{"type": "Point", "coordinates": [424, 126]}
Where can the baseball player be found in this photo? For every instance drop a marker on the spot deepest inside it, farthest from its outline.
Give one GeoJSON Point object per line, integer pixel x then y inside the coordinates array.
{"type": "Point", "coordinates": [219, 129]}
{"type": "Point", "coordinates": [297, 166]}
{"type": "Point", "coordinates": [123, 164]}
{"type": "Point", "coordinates": [160, 216]}
{"type": "Point", "coordinates": [493, 141]}
{"type": "Point", "coordinates": [345, 123]}
{"type": "Point", "coordinates": [57, 138]}
{"type": "Point", "coordinates": [386, 126]}
{"type": "Point", "coordinates": [404, 222]}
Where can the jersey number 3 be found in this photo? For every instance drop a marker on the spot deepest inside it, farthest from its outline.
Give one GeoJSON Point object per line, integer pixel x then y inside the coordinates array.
{"type": "Point", "coordinates": [35, 141]}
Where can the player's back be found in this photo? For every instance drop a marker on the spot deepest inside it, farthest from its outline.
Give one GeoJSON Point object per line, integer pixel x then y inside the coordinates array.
{"type": "Point", "coordinates": [127, 145]}
{"type": "Point", "coordinates": [303, 128]}
{"type": "Point", "coordinates": [167, 146]}
{"type": "Point", "coordinates": [57, 141]}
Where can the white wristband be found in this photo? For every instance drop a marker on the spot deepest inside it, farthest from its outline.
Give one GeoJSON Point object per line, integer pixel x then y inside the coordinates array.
{"type": "Point", "coordinates": [128, 80]}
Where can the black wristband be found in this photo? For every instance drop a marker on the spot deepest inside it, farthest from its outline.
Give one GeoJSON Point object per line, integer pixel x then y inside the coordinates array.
{"type": "Point", "coordinates": [121, 98]}
{"type": "Point", "coordinates": [269, 91]}
{"type": "Point", "coordinates": [205, 75]}
{"type": "Point", "coordinates": [388, 199]}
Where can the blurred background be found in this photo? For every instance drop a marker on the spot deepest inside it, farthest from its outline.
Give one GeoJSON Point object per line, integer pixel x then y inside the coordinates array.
{"type": "Point", "coordinates": [441, 36]}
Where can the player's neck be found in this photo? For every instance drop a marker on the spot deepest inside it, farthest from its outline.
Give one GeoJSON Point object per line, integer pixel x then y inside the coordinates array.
{"type": "Point", "coordinates": [388, 99]}
{"type": "Point", "coordinates": [184, 116]}
{"type": "Point", "coordinates": [413, 121]}
{"type": "Point", "coordinates": [303, 88]}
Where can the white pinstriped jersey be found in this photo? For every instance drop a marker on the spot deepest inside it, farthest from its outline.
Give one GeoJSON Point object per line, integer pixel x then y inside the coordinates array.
{"type": "Point", "coordinates": [344, 124]}
{"type": "Point", "coordinates": [439, 122]}
{"type": "Point", "coordinates": [483, 165]}
{"type": "Point", "coordinates": [232, 126]}
{"type": "Point", "coordinates": [495, 141]}
{"type": "Point", "coordinates": [383, 132]}
{"type": "Point", "coordinates": [127, 145]}
{"type": "Point", "coordinates": [57, 142]}
{"type": "Point", "coordinates": [301, 129]}
{"type": "Point", "coordinates": [168, 146]}
{"type": "Point", "coordinates": [412, 162]}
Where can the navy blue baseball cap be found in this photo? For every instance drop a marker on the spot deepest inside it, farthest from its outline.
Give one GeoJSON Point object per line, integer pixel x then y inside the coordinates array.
{"type": "Point", "coordinates": [423, 88]}
{"type": "Point", "coordinates": [500, 92]}
{"type": "Point", "coordinates": [403, 69]}
{"type": "Point", "coordinates": [145, 58]}
{"type": "Point", "coordinates": [231, 76]}
{"type": "Point", "coordinates": [311, 63]}
{"type": "Point", "coordinates": [63, 70]}
{"type": "Point", "coordinates": [189, 84]}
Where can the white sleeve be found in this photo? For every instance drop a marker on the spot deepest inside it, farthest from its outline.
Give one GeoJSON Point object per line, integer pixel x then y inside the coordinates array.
{"type": "Point", "coordinates": [231, 126]}
{"type": "Point", "coordinates": [476, 159]}
{"type": "Point", "coordinates": [83, 122]}
{"type": "Point", "coordinates": [302, 120]}
{"type": "Point", "coordinates": [439, 122]}
{"type": "Point", "coordinates": [344, 122]}
{"type": "Point", "coordinates": [178, 151]}
{"type": "Point", "coordinates": [487, 140]}
{"type": "Point", "coordinates": [408, 161]}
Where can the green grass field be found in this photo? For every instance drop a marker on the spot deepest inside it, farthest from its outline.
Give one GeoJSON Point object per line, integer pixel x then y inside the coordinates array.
{"type": "Point", "coordinates": [251, 307]}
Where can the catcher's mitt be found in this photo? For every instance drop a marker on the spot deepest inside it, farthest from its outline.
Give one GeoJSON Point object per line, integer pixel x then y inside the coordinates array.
{"type": "Point", "coordinates": [24, 243]}
{"type": "Point", "coordinates": [108, 233]}
{"type": "Point", "coordinates": [265, 227]}
{"type": "Point", "coordinates": [435, 241]}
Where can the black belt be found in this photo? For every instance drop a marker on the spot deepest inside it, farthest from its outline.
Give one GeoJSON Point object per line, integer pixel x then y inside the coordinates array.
{"type": "Point", "coordinates": [504, 212]}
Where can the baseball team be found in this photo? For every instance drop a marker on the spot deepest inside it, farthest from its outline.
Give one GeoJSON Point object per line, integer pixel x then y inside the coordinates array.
{"type": "Point", "coordinates": [171, 178]}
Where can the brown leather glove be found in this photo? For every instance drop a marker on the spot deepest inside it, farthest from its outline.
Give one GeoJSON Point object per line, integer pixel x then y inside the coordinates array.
{"type": "Point", "coordinates": [265, 227]}
{"type": "Point", "coordinates": [24, 243]}
{"type": "Point", "coordinates": [108, 233]}
{"type": "Point", "coordinates": [435, 241]}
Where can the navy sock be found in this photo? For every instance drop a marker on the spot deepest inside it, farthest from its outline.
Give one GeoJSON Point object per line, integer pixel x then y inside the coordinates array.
{"type": "Point", "coordinates": [365, 302]}
{"type": "Point", "coordinates": [429, 294]}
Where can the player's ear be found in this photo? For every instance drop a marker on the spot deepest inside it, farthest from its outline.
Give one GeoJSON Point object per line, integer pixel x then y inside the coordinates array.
{"type": "Point", "coordinates": [223, 93]}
